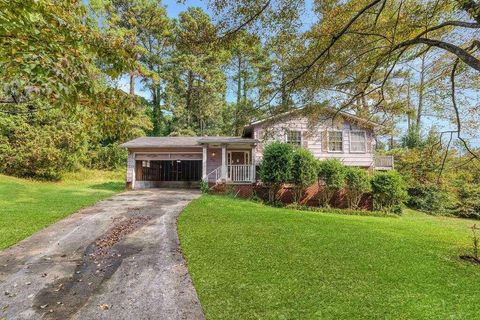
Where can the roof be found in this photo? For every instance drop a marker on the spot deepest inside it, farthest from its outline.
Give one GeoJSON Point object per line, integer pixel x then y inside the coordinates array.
{"type": "Point", "coordinates": [226, 140]}
{"type": "Point", "coordinates": [179, 142]}
{"type": "Point", "coordinates": [340, 112]}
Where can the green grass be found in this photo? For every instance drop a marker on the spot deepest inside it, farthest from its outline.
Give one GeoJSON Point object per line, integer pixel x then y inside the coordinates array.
{"type": "Point", "coordinates": [250, 261]}
{"type": "Point", "coordinates": [27, 206]}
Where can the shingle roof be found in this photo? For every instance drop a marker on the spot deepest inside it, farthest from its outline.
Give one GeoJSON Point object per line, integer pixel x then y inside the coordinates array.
{"type": "Point", "coordinates": [332, 110]}
{"type": "Point", "coordinates": [171, 142]}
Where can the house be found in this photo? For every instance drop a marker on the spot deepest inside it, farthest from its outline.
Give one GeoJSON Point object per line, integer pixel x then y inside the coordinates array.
{"type": "Point", "coordinates": [185, 161]}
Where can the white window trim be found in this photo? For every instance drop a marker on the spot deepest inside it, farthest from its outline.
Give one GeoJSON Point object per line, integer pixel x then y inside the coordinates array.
{"type": "Point", "coordinates": [328, 142]}
{"type": "Point", "coordinates": [286, 136]}
{"type": "Point", "coordinates": [350, 141]}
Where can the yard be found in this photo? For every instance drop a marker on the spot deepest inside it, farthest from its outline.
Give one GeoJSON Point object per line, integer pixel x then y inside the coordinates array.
{"type": "Point", "coordinates": [27, 206]}
{"type": "Point", "coordinates": [250, 261]}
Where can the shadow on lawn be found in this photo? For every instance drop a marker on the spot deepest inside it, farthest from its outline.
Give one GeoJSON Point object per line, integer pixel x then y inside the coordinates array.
{"type": "Point", "coordinates": [109, 186]}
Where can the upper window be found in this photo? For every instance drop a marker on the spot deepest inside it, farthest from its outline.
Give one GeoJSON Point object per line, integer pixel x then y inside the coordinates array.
{"type": "Point", "coordinates": [358, 141]}
{"type": "Point", "coordinates": [294, 137]}
{"type": "Point", "coordinates": [335, 141]}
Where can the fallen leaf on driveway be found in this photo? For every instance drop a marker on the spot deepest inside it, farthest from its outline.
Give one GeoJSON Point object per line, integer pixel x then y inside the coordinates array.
{"type": "Point", "coordinates": [104, 306]}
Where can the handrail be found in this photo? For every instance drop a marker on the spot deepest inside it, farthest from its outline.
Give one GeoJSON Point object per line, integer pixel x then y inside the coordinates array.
{"type": "Point", "coordinates": [217, 173]}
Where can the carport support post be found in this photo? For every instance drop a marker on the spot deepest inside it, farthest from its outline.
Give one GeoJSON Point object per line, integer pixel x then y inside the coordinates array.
{"type": "Point", "coordinates": [253, 164]}
{"type": "Point", "coordinates": [204, 164]}
{"type": "Point", "coordinates": [224, 163]}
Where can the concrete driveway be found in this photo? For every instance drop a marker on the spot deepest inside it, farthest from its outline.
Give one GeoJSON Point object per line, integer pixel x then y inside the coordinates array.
{"type": "Point", "coordinates": [119, 259]}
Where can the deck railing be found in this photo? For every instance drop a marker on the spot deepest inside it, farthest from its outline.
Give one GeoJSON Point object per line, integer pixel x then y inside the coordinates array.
{"type": "Point", "coordinates": [384, 162]}
{"type": "Point", "coordinates": [240, 173]}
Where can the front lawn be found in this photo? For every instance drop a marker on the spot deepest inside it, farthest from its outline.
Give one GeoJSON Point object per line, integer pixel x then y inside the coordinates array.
{"type": "Point", "coordinates": [250, 261]}
{"type": "Point", "coordinates": [27, 206]}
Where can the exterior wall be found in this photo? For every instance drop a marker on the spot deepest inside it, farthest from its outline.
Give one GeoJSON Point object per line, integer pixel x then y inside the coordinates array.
{"type": "Point", "coordinates": [314, 137]}
{"type": "Point", "coordinates": [213, 162]}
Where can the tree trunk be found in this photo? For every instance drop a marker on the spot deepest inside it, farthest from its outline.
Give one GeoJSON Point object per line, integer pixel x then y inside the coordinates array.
{"type": "Point", "coordinates": [188, 105]}
{"type": "Point", "coordinates": [421, 90]}
{"type": "Point", "coordinates": [239, 97]}
{"type": "Point", "coordinates": [132, 83]}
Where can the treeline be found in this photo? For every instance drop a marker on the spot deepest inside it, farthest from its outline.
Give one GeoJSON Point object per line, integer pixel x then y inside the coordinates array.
{"type": "Point", "coordinates": [62, 65]}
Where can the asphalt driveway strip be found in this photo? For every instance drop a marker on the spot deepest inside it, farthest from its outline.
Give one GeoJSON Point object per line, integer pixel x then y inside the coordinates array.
{"type": "Point", "coordinates": [118, 259]}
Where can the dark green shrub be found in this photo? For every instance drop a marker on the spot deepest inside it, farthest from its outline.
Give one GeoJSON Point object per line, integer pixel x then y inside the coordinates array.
{"type": "Point", "coordinates": [331, 176]}
{"type": "Point", "coordinates": [428, 199]}
{"type": "Point", "coordinates": [304, 171]}
{"type": "Point", "coordinates": [389, 191]}
{"type": "Point", "coordinates": [276, 167]}
{"type": "Point", "coordinates": [357, 183]}
{"type": "Point", "coordinates": [468, 203]}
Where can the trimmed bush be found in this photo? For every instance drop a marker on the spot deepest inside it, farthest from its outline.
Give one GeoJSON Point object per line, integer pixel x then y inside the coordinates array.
{"type": "Point", "coordinates": [389, 191]}
{"type": "Point", "coordinates": [331, 176]}
{"type": "Point", "coordinates": [276, 167]}
{"type": "Point", "coordinates": [358, 183]}
{"type": "Point", "coordinates": [304, 171]}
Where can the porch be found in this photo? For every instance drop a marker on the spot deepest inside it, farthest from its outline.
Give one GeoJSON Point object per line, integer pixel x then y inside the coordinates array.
{"type": "Point", "coordinates": [227, 161]}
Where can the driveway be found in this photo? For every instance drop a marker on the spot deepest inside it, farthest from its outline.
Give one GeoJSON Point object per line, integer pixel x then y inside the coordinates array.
{"type": "Point", "coordinates": [119, 259]}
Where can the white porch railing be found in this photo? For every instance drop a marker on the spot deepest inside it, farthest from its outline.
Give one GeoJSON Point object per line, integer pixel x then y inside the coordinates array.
{"type": "Point", "coordinates": [384, 162]}
{"type": "Point", "coordinates": [240, 173]}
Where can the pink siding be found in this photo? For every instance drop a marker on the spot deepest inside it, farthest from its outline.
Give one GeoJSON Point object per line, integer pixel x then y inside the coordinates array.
{"type": "Point", "coordinates": [314, 138]}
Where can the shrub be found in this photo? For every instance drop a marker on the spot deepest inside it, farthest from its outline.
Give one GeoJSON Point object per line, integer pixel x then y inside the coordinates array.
{"type": "Point", "coordinates": [44, 147]}
{"type": "Point", "coordinates": [429, 199]}
{"type": "Point", "coordinates": [389, 191]}
{"type": "Point", "coordinates": [304, 171]}
{"type": "Point", "coordinates": [358, 183]}
{"type": "Point", "coordinates": [107, 157]}
{"type": "Point", "coordinates": [276, 167]}
{"type": "Point", "coordinates": [331, 176]}
{"type": "Point", "coordinates": [468, 205]}
{"type": "Point", "coordinates": [204, 188]}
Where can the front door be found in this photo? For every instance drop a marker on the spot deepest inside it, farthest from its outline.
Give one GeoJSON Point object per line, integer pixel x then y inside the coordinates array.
{"type": "Point", "coordinates": [238, 157]}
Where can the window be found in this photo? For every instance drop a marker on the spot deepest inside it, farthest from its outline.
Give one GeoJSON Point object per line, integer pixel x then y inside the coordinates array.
{"type": "Point", "coordinates": [294, 137]}
{"type": "Point", "coordinates": [358, 141]}
{"type": "Point", "coordinates": [335, 141]}
{"type": "Point", "coordinates": [146, 163]}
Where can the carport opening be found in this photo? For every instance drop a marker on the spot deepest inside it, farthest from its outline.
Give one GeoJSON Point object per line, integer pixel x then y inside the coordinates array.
{"type": "Point", "coordinates": [169, 170]}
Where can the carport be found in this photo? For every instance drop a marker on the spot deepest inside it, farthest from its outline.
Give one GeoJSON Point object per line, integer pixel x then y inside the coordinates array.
{"type": "Point", "coordinates": [183, 162]}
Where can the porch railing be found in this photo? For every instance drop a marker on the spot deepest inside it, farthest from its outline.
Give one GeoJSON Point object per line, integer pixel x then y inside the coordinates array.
{"type": "Point", "coordinates": [384, 162]}
{"type": "Point", "coordinates": [240, 173]}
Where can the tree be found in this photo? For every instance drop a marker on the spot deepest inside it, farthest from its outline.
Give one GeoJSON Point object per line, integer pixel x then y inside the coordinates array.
{"type": "Point", "coordinates": [144, 24]}
{"type": "Point", "coordinates": [381, 37]}
{"type": "Point", "coordinates": [196, 82]}
{"type": "Point", "coordinates": [250, 66]}
{"type": "Point", "coordinates": [304, 171]}
{"type": "Point", "coordinates": [49, 54]}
